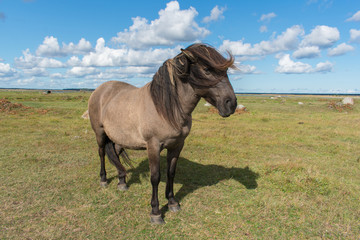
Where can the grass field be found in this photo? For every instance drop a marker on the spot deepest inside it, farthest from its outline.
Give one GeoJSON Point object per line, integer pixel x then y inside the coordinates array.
{"type": "Point", "coordinates": [279, 171]}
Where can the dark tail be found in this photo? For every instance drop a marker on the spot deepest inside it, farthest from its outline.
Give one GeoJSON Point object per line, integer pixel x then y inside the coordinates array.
{"type": "Point", "coordinates": [113, 155]}
{"type": "Point", "coordinates": [126, 158]}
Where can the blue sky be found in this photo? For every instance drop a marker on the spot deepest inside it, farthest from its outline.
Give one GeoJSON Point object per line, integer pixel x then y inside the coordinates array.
{"type": "Point", "coordinates": [308, 46]}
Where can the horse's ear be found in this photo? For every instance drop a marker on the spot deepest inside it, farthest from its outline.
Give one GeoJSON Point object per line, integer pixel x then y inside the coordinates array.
{"type": "Point", "coordinates": [181, 65]}
{"type": "Point", "coordinates": [189, 55]}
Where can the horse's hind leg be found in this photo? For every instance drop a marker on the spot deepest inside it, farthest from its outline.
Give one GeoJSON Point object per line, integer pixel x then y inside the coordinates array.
{"type": "Point", "coordinates": [101, 139]}
{"type": "Point", "coordinates": [103, 180]}
{"type": "Point", "coordinates": [113, 155]}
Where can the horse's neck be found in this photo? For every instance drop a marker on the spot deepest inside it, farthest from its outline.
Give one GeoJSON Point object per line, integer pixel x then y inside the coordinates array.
{"type": "Point", "coordinates": [188, 98]}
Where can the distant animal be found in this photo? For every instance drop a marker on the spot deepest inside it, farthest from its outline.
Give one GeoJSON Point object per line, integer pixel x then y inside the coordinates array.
{"type": "Point", "coordinates": [158, 115]}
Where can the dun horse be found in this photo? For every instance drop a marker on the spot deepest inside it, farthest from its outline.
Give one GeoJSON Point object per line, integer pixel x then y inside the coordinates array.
{"type": "Point", "coordinates": [158, 115]}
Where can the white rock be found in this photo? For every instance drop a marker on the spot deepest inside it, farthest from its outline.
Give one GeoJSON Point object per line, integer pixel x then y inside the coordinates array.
{"type": "Point", "coordinates": [207, 104]}
{"type": "Point", "coordinates": [86, 115]}
{"type": "Point", "coordinates": [348, 100]}
{"type": "Point", "coordinates": [240, 107]}
{"type": "Point", "coordinates": [300, 103]}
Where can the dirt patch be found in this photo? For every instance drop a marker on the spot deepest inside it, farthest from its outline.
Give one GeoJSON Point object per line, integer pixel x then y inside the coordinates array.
{"type": "Point", "coordinates": [339, 106]}
{"type": "Point", "coordinates": [238, 111]}
{"type": "Point", "coordinates": [7, 106]}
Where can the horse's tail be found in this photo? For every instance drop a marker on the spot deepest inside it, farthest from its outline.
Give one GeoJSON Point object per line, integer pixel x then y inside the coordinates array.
{"type": "Point", "coordinates": [113, 155]}
{"type": "Point", "coordinates": [126, 158]}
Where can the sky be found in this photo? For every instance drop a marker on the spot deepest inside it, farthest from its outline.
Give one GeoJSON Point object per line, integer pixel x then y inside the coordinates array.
{"type": "Point", "coordinates": [298, 46]}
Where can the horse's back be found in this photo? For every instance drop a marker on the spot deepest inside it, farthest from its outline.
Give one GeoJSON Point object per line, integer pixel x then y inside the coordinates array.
{"type": "Point", "coordinates": [115, 110]}
{"type": "Point", "coordinates": [101, 97]}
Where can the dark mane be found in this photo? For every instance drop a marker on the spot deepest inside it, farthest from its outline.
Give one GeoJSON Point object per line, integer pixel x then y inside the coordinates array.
{"type": "Point", "coordinates": [211, 57]}
{"type": "Point", "coordinates": [164, 94]}
{"type": "Point", "coordinates": [163, 88]}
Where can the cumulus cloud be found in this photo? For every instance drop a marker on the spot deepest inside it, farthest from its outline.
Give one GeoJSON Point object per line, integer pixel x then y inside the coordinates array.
{"type": "Point", "coordinates": [104, 56]}
{"type": "Point", "coordinates": [57, 76]}
{"type": "Point", "coordinates": [30, 61]}
{"type": "Point", "coordinates": [340, 50]}
{"type": "Point", "coordinates": [287, 40]}
{"type": "Point", "coordinates": [172, 26]}
{"type": "Point", "coordinates": [25, 81]}
{"type": "Point", "coordinates": [6, 71]}
{"type": "Point", "coordinates": [35, 72]}
{"type": "Point", "coordinates": [51, 48]}
{"type": "Point", "coordinates": [123, 73]}
{"type": "Point", "coordinates": [288, 66]}
{"type": "Point", "coordinates": [355, 17]}
{"type": "Point", "coordinates": [244, 69]}
{"type": "Point", "coordinates": [82, 71]}
{"type": "Point", "coordinates": [74, 61]}
{"type": "Point", "coordinates": [216, 14]}
{"type": "Point", "coordinates": [354, 36]}
{"type": "Point", "coordinates": [321, 36]}
{"type": "Point", "coordinates": [267, 17]}
{"type": "Point", "coordinates": [307, 52]}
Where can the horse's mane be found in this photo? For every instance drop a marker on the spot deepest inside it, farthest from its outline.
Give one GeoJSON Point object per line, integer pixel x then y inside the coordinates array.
{"type": "Point", "coordinates": [163, 88]}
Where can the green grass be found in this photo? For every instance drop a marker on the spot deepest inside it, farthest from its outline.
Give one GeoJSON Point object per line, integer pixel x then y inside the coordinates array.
{"type": "Point", "coordinates": [280, 171]}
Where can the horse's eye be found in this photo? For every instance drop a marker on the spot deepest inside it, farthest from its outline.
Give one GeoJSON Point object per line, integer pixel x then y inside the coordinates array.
{"type": "Point", "coordinates": [207, 71]}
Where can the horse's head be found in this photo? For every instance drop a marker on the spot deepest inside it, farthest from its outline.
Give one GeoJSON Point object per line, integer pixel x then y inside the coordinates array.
{"type": "Point", "coordinates": [207, 74]}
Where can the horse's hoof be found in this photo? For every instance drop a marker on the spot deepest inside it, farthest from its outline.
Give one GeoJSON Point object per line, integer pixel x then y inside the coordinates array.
{"type": "Point", "coordinates": [156, 219]}
{"type": "Point", "coordinates": [123, 187]}
{"type": "Point", "coordinates": [174, 207]}
{"type": "Point", "coordinates": [103, 184]}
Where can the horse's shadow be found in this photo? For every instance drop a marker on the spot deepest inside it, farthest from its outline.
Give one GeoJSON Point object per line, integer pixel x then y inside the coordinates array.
{"type": "Point", "coordinates": [194, 175]}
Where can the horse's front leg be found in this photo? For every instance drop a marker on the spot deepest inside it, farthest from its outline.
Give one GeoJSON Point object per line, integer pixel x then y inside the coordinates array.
{"type": "Point", "coordinates": [172, 157]}
{"type": "Point", "coordinates": [153, 148]}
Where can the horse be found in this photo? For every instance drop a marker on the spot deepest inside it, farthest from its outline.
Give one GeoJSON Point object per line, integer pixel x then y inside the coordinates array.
{"type": "Point", "coordinates": [157, 116]}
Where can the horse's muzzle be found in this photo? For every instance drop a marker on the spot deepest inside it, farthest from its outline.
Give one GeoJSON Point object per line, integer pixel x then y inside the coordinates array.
{"type": "Point", "coordinates": [228, 107]}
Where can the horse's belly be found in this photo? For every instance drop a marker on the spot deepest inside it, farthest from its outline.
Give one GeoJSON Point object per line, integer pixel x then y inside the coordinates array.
{"type": "Point", "coordinates": [129, 140]}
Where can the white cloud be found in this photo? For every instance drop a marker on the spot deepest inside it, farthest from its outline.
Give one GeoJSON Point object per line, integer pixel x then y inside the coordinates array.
{"type": "Point", "coordinates": [172, 26]}
{"type": "Point", "coordinates": [6, 71]}
{"type": "Point", "coordinates": [35, 72]}
{"type": "Point", "coordinates": [354, 35]}
{"type": "Point", "coordinates": [340, 50]}
{"type": "Point", "coordinates": [123, 73]}
{"type": "Point", "coordinates": [216, 14]}
{"type": "Point", "coordinates": [57, 76]}
{"type": "Point", "coordinates": [109, 57]}
{"type": "Point", "coordinates": [288, 66]}
{"type": "Point", "coordinates": [355, 17]}
{"type": "Point", "coordinates": [324, 67]}
{"type": "Point", "coordinates": [83, 47]}
{"type": "Point", "coordinates": [267, 17]}
{"type": "Point", "coordinates": [74, 61]}
{"type": "Point", "coordinates": [31, 61]}
{"type": "Point", "coordinates": [244, 69]}
{"type": "Point", "coordinates": [82, 71]}
{"type": "Point", "coordinates": [51, 48]}
{"type": "Point", "coordinates": [288, 40]}
{"type": "Point", "coordinates": [25, 81]}
{"type": "Point", "coordinates": [321, 36]}
{"type": "Point", "coordinates": [307, 52]}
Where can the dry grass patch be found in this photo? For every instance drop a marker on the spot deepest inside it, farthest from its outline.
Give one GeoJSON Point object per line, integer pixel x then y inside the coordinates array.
{"type": "Point", "coordinates": [259, 175]}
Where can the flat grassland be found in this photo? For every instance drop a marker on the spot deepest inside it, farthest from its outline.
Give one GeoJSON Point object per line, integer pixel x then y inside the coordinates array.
{"type": "Point", "coordinates": [280, 170]}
